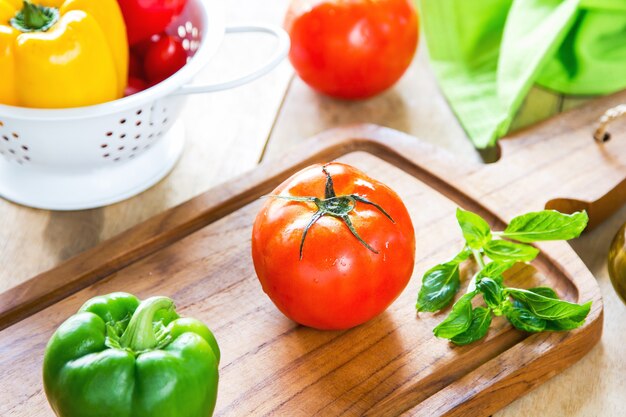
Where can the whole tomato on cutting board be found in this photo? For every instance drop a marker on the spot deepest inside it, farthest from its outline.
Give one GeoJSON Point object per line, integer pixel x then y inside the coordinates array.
{"type": "Point", "coordinates": [145, 18]}
{"type": "Point", "coordinates": [351, 49]}
{"type": "Point", "coordinates": [333, 247]}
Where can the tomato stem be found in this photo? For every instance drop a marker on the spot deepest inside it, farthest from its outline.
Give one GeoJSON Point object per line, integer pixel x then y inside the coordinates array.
{"type": "Point", "coordinates": [329, 190]}
{"type": "Point", "coordinates": [336, 206]}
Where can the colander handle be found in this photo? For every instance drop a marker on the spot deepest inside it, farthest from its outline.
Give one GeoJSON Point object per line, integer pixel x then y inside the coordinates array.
{"type": "Point", "coordinates": [279, 53]}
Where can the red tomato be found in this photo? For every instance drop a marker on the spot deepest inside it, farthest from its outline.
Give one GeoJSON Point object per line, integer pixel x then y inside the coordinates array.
{"type": "Point", "coordinates": [146, 17]}
{"type": "Point", "coordinates": [141, 48]}
{"type": "Point", "coordinates": [336, 279]}
{"type": "Point", "coordinates": [134, 86]}
{"type": "Point", "coordinates": [135, 67]}
{"type": "Point", "coordinates": [351, 49]}
{"type": "Point", "coordinates": [163, 58]}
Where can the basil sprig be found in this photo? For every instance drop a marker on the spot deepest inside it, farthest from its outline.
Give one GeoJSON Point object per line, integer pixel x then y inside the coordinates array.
{"type": "Point", "coordinates": [533, 310]}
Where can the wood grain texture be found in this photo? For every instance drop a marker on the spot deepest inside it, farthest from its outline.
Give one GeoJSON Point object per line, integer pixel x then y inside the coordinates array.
{"type": "Point", "coordinates": [390, 365]}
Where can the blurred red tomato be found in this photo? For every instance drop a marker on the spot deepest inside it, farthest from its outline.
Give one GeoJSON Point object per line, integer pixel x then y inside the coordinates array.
{"type": "Point", "coordinates": [146, 17]}
{"type": "Point", "coordinates": [351, 49]}
{"type": "Point", "coordinates": [134, 86]}
{"type": "Point", "coordinates": [135, 66]}
{"type": "Point", "coordinates": [163, 58]}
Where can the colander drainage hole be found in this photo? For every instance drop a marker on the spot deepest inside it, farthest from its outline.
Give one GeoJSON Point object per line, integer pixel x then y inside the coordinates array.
{"type": "Point", "coordinates": [123, 135]}
{"type": "Point", "coordinates": [5, 137]}
{"type": "Point", "coordinates": [138, 123]}
{"type": "Point", "coordinates": [25, 147]}
{"type": "Point", "coordinates": [135, 148]}
{"type": "Point", "coordinates": [106, 155]}
{"type": "Point", "coordinates": [109, 133]}
{"type": "Point", "coordinates": [104, 145]}
{"type": "Point", "coordinates": [1, 123]}
{"type": "Point", "coordinates": [15, 135]}
{"type": "Point", "coordinates": [27, 157]}
{"type": "Point", "coordinates": [121, 148]}
{"type": "Point", "coordinates": [139, 112]}
{"type": "Point", "coordinates": [117, 159]}
{"type": "Point", "coordinates": [122, 121]}
{"type": "Point", "coordinates": [138, 135]}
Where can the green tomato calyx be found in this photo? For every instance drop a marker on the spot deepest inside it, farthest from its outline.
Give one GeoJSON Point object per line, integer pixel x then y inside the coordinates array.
{"type": "Point", "coordinates": [336, 206]}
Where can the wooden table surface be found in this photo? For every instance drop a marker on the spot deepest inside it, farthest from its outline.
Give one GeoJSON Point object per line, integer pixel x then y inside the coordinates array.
{"type": "Point", "coordinates": [230, 132]}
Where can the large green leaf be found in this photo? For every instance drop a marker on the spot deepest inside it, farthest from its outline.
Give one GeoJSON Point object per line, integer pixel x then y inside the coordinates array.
{"type": "Point", "coordinates": [524, 319]}
{"type": "Point", "coordinates": [550, 308]}
{"type": "Point", "coordinates": [459, 319]}
{"type": "Point", "coordinates": [546, 225]}
{"type": "Point", "coordinates": [476, 230]}
{"type": "Point", "coordinates": [440, 284]}
{"type": "Point", "coordinates": [505, 251]}
{"type": "Point", "coordinates": [481, 320]}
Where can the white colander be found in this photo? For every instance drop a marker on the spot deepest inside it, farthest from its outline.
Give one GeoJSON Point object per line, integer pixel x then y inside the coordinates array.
{"type": "Point", "coordinates": [69, 159]}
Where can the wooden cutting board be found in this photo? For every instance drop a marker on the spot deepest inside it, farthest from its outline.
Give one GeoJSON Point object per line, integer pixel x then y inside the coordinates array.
{"type": "Point", "coordinates": [199, 254]}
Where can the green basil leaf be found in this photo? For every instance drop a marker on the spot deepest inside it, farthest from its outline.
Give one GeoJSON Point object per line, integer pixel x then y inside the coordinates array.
{"type": "Point", "coordinates": [481, 320]}
{"type": "Point", "coordinates": [546, 225]}
{"type": "Point", "coordinates": [563, 324]}
{"type": "Point", "coordinates": [494, 270]}
{"type": "Point", "coordinates": [554, 325]}
{"type": "Point", "coordinates": [505, 251]}
{"type": "Point", "coordinates": [440, 284]}
{"type": "Point", "coordinates": [459, 319]}
{"type": "Point", "coordinates": [545, 291]}
{"type": "Point", "coordinates": [550, 308]}
{"type": "Point", "coordinates": [492, 294]}
{"type": "Point", "coordinates": [523, 319]}
{"type": "Point", "coordinates": [476, 230]}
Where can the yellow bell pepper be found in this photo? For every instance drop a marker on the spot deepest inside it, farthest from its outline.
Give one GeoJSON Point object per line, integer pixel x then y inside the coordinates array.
{"type": "Point", "coordinates": [62, 53]}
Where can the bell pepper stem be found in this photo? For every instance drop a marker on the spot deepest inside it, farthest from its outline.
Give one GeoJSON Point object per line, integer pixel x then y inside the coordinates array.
{"type": "Point", "coordinates": [139, 335]}
{"type": "Point", "coordinates": [33, 18]}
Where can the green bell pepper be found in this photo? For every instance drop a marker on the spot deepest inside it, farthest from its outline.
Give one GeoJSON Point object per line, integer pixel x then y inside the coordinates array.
{"type": "Point", "coordinates": [118, 357]}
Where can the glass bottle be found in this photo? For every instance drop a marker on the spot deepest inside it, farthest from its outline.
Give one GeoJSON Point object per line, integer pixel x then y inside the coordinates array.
{"type": "Point", "coordinates": [617, 262]}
